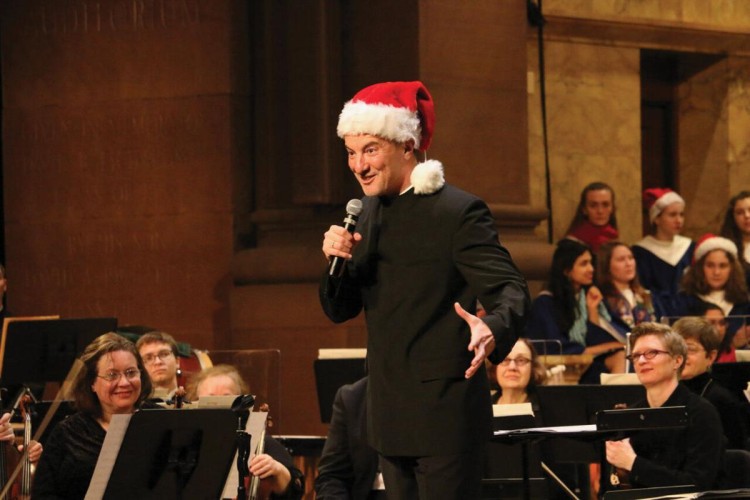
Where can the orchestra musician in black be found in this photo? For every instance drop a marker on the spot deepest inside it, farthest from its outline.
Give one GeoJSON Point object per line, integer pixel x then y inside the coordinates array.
{"type": "Point", "coordinates": [112, 380]}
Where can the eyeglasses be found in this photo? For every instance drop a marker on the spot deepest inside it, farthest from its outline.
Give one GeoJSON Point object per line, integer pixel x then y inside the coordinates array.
{"type": "Point", "coordinates": [649, 355]}
{"type": "Point", "coordinates": [113, 376]}
{"type": "Point", "coordinates": [149, 359]}
{"type": "Point", "coordinates": [519, 361]}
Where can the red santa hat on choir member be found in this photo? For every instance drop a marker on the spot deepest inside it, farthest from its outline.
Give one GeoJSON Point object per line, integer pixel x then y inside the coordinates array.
{"type": "Point", "coordinates": [657, 199]}
{"type": "Point", "coordinates": [710, 242]}
{"type": "Point", "coordinates": [399, 112]}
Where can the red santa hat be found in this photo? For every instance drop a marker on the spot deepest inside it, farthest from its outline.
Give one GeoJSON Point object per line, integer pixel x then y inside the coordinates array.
{"type": "Point", "coordinates": [399, 112]}
{"type": "Point", "coordinates": [710, 242]}
{"type": "Point", "coordinates": [657, 199]}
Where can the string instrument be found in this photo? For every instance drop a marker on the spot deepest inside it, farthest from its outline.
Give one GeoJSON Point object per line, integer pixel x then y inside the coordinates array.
{"type": "Point", "coordinates": [26, 468]}
{"type": "Point", "coordinates": [59, 398]}
{"type": "Point", "coordinates": [260, 490]}
{"type": "Point", "coordinates": [255, 480]}
{"type": "Point", "coordinates": [21, 489]}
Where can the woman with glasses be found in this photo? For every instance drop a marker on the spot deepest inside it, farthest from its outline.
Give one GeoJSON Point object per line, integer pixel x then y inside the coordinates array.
{"type": "Point", "coordinates": [570, 314]}
{"type": "Point", "coordinates": [702, 348]}
{"type": "Point", "coordinates": [112, 380]}
{"type": "Point", "coordinates": [518, 375]}
{"type": "Point", "coordinates": [692, 455]}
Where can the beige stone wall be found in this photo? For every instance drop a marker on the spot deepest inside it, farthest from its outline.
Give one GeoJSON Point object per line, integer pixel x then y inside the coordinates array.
{"type": "Point", "coordinates": [592, 52]}
{"type": "Point", "coordinates": [738, 113]}
{"type": "Point", "coordinates": [593, 122]}
{"type": "Point", "coordinates": [731, 15]}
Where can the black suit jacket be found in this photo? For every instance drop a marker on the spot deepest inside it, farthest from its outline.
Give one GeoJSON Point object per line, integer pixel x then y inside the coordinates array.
{"type": "Point", "coordinates": [418, 255]}
{"type": "Point", "coordinates": [348, 464]}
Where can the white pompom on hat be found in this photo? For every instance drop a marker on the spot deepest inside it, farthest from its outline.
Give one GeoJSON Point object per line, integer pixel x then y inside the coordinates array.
{"type": "Point", "coordinates": [657, 199]}
{"type": "Point", "coordinates": [710, 242]}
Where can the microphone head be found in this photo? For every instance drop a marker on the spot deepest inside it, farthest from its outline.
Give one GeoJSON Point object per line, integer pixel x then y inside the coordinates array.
{"type": "Point", "coordinates": [354, 207]}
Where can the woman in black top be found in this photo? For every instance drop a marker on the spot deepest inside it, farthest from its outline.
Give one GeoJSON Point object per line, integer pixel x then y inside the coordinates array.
{"type": "Point", "coordinates": [111, 381]}
{"type": "Point", "coordinates": [692, 455]}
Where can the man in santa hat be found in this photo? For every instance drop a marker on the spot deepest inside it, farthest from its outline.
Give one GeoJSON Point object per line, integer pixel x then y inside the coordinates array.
{"type": "Point", "coordinates": [422, 255]}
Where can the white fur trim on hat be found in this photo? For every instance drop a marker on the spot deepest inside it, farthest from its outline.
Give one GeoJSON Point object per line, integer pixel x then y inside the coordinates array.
{"type": "Point", "coordinates": [427, 177]}
{"type": "Point", "coordinates": [663, 202]}
{"type": "Point", "coordinates": [381, 120]}
{"type": "Point", "coordinates": [714, 243]}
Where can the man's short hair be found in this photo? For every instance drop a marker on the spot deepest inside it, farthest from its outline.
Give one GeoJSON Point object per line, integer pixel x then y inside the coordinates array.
{"type": "Point", "coordinates": [157, 337]}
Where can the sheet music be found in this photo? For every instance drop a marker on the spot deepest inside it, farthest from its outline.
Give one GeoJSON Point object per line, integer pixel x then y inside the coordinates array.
{"type": "Point", "coordinates": [107, 456]}
{"type": "Point", "coordinates": [255, 426]}
{"type": "Point", "coordinates": [549, 430]}
{"type": "Point", "coordinates": [512, 410]}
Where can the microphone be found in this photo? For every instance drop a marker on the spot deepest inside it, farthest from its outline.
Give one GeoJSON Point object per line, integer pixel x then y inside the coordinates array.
{"type": "Point", "coordinates": [353, 209]}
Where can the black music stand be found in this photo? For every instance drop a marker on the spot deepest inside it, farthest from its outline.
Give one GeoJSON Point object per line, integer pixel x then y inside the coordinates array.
{"type": "Point", "coordinates": [44, 350]}
{"type": "Point", "coordinates": [174, 454]}
{"type": "Point", "coordinates": [330, 375]}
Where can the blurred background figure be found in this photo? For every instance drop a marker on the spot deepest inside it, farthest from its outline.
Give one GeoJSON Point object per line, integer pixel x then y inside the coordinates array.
{"type": "Point", "coordinates": [716, 277]}
{"type": "Point", "coordinates": [627, 302]}
{"type": "Point", "coordinates": [3, 289]}
{"type": "Point", "coordinates": [715, 317]}
{"type": "Point", "coordinates": [664, 254]}
{"type": "Point", "coordinates": [595, 221]}
{"type": "Point", "coordinates": [736, 227]}
{"type": "Point", "coordinates": [159, 353]}
{"type": "Point", "coordinates": [570, 311]}
{"type": "Point", "coordinates": [702, 349]}
{"type": "Point", "coordinates": [274, 466]}
{"type": "Point", "coordinates": [348, 467]}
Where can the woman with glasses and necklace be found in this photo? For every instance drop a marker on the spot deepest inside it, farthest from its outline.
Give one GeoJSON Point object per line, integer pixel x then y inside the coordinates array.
{"type": "Point", "coordinates": [692, 455]}
{"type": "Point", "coordinates": [112, 380]}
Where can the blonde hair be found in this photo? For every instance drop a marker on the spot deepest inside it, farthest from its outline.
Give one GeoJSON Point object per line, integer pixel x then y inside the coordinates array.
{"type": "Point", "coordinates": [212, 372]}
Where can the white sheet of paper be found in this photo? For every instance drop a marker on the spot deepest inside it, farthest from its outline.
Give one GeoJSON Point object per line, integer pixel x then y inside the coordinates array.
{"type": "Point", "coordinates": [551, 430]}
{"type": "Point", "coordinates": [512, 410]}
{"type": "Point", "coordinates": [255, 425]}
{"type": "Point", "coordinates": [107, 456]}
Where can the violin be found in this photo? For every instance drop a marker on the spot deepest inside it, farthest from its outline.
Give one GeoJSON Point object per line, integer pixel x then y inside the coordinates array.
{"type": "Point", "coordinates": [21, 489]}
{"type": "Point", "coordinates": [259, 489]}
{"type": "Point", "coordinates": [26, 467]}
